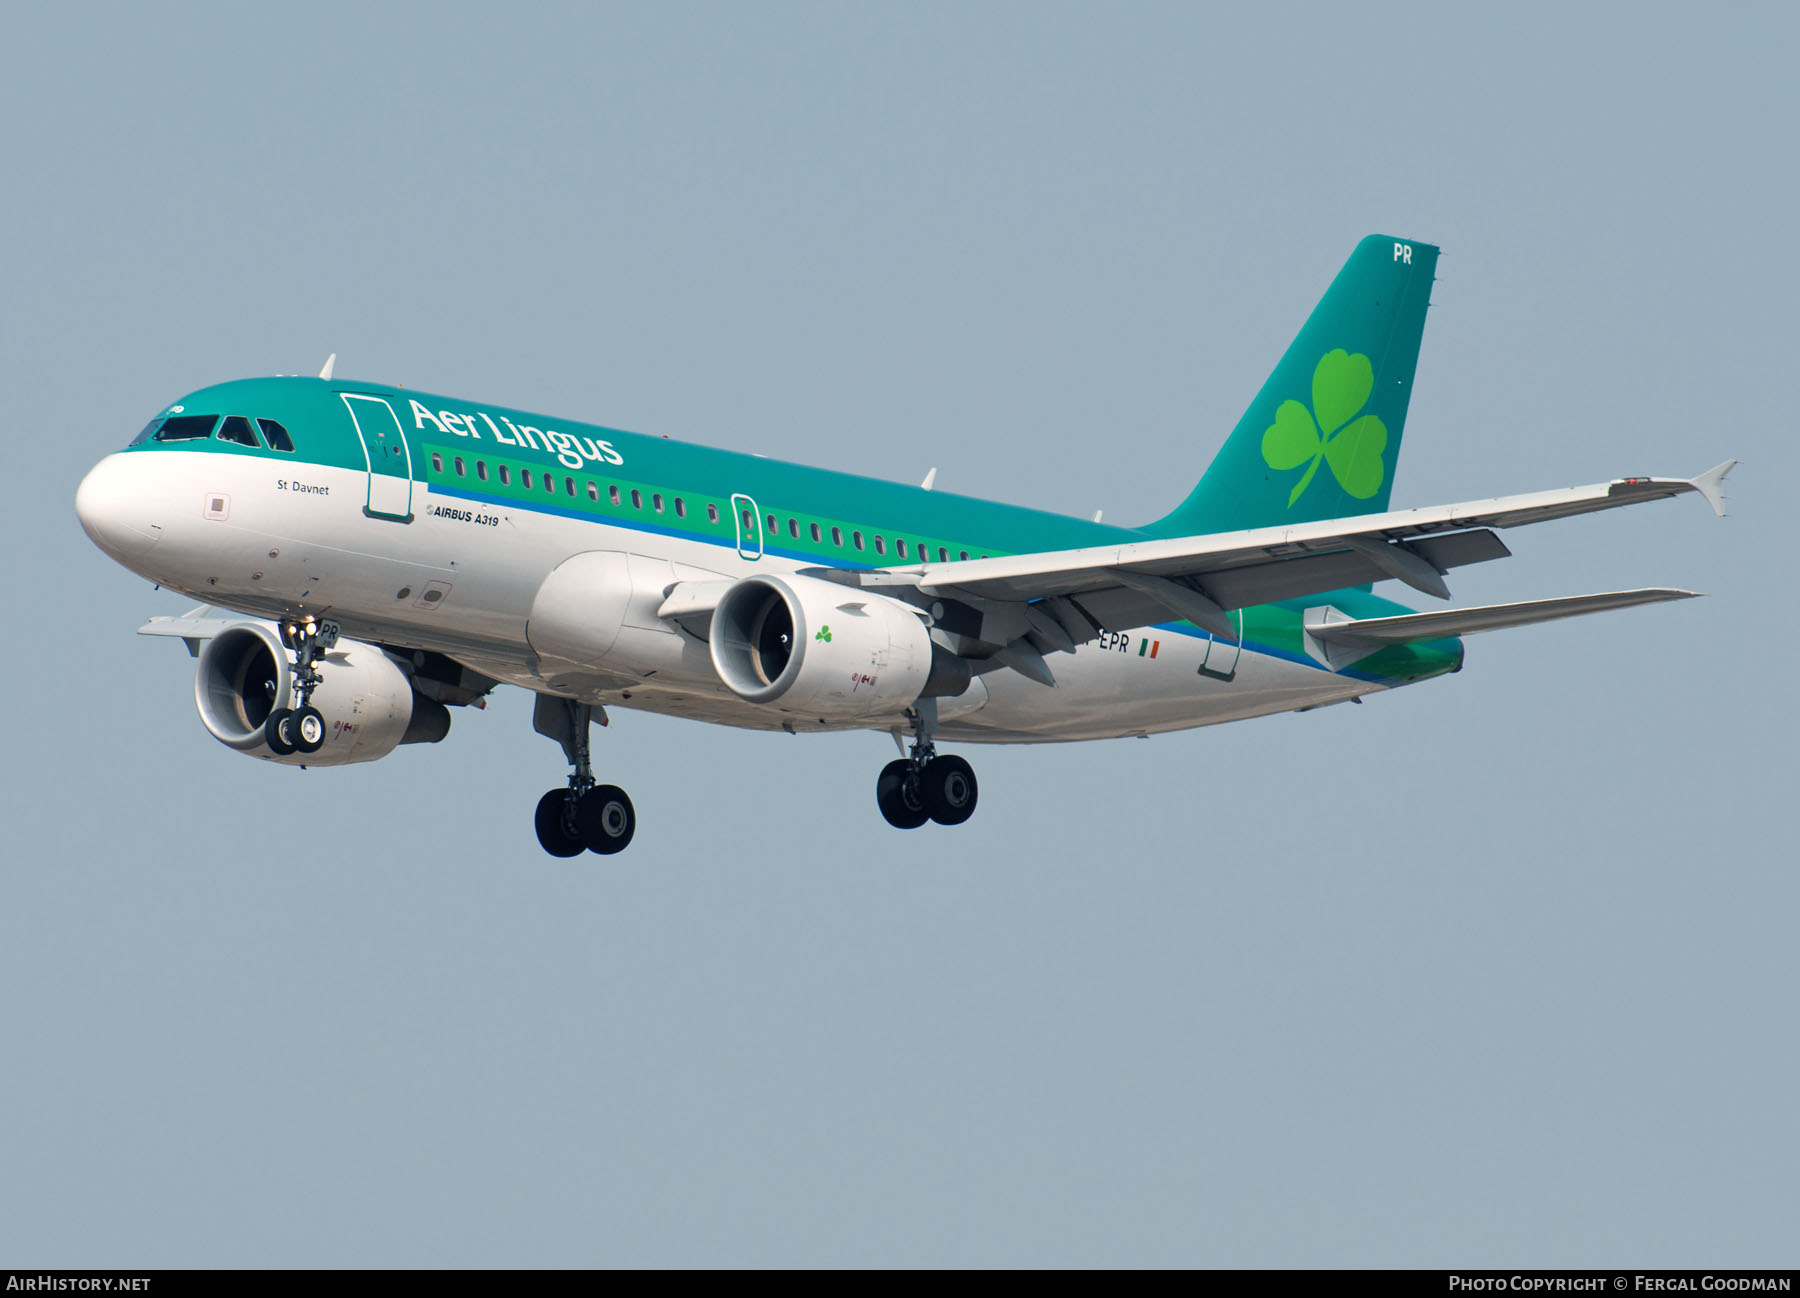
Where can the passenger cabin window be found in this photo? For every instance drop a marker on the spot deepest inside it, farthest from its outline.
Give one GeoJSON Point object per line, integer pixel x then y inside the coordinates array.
{"type": "Point", "coordinates": [815, 531]}
{"type": "Point", "coordinates": [461, 471]}
{"type": "Point", "coordinates": [481, 469]}
{"type": "Point", "coordinates": [856, 537]}
{"type": "Point", "coordinates": [749, 523]}
{"type": "Point", "coordinates": [525, 478]}
{"type": "Point", "coordinates": [186, 428]}
{"type": "Point", "coordinates": [712, 513]}
{"type": "Point", "coordinates": [593, 491]}
{"type": "Point", "coordinates": [235, 428]}
{"type": "Point", "coordinates": [837, 537]}
{"type": "Point", "coordinates": [794, 528]}
{"type": "Point", "coordinates": [774, 525]}
{"type": "Point", "coordinates": [962, 554]}
{"type": "Point", "coordinates": [656, 502]}
{"type": "Point", "coordinates": [943, 555]}
{"type": "Point", "coordinates": [276, 435]}
{"type": "Point", "coordinates": [505, 476]}
{"type": "Point", "coordinates": [880, 546]}
{"type": "Point", "coordinates": [612, 493]}
{"type": "Point", "coordinates": [680, 509]}
{"type": "Point", "coordinates": [899, 547]}
{"type": "Point", "coordinates": [637, 498]}
{"type": "Point", "coordinates": [569, 486]}
{"type": "Point", "coordinates": [437, 462]}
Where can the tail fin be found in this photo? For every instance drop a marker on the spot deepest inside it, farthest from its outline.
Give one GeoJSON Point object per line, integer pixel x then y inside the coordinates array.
{"type": "Point", "coordinates": [1322, 437]}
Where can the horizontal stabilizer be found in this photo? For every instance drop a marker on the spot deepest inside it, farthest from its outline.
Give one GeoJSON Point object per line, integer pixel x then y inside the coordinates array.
{"type": "Point", "coordinates": [1377, 631]}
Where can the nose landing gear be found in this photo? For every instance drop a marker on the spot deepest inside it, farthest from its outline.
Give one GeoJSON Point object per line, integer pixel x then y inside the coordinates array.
{"type": "Point", "coordinates": [925, 786]}
{"type": "Point", "coordinates": [585, 816]}
{"type": "Point", "coordinates": [301, 728]}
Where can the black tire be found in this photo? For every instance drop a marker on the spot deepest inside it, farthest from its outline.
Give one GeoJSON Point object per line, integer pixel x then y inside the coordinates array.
{"type": "Point", "coordinates": [898, 795]}
{"type": "Point", "coordinates": [308, 730]}
{"type": "Point", "coordinates": [949, 789]}
{"type": "Point", "coordinates": [606, 819]}
{"type": "Point", "coordinates": [557, 836]}
{"type": "Point", "coordinates": [278, 732]}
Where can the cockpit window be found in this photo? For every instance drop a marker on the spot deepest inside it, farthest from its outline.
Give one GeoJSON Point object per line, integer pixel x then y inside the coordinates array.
{"type": "Point", "coordinates": [237, 429]}
{"type": "Point", "coordinates": [148, 429]}
{"type": "Point", "coordinates": [186, 428]}
{"type": "Point", "coordinates": [277, 435]}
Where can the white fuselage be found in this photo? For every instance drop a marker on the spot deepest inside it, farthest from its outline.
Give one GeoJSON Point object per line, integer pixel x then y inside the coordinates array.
{"type": "Point", "coordinates": [274, 539]}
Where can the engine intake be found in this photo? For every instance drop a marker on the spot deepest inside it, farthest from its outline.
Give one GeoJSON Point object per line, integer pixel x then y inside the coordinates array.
{"type": "Point", "coordinates": [818, 649]}
{"type": "Point", "coordinates": [369, 703]}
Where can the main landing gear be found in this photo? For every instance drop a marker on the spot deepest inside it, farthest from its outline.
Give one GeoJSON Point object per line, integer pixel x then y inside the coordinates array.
{"type": "Point", "coordinates": [925, 786]}
{"type": "Point", "coordinates": [301, 728]}
{"type": "Point", "coordinates": [585, 816]}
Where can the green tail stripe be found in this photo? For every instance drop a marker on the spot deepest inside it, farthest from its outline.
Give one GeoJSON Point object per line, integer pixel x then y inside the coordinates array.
{"type": "Point", "coordinates": [1323, 436]}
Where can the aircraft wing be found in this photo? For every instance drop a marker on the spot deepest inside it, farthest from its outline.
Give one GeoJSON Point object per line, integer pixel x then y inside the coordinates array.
{"type": "Point", "coordinates": [1202, 578]}
{"type": "Point", "coordinates": [194, 627]}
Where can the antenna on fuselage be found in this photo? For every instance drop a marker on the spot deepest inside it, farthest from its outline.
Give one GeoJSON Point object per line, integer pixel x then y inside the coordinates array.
{"type": "Point", "coordinates": [930, 478]}
{"type": "Point", "coordinates": [330, 364]}
{"type": "Point", "coordinates": [1097, 514]}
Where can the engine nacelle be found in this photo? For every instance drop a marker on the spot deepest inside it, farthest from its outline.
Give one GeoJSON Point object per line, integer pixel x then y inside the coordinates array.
{"type": "Point", "coordinates": [819, 650]}
{"type": "Point", "coordinates": [369, 704]}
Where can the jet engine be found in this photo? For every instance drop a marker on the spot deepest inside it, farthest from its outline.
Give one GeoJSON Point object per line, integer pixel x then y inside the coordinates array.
{"type": "Point", "coordinates": [369, 703]}
{"type": "Point", "coordinates": [820, 650]}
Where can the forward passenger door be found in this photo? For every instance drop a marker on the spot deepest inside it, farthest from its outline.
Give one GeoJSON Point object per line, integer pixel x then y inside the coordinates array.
{"type": "Point", "coordinates": [389, 457]}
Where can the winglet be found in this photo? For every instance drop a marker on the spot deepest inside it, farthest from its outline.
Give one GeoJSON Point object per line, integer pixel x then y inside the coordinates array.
{"type": "Point", "coordinates": [1711, 484]}
{"type": "Point", "coordinates": [330, 364]}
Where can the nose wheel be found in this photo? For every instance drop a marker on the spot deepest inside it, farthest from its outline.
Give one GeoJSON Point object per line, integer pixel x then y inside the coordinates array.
{"type": "Point", "coordinates": [926, 786]}
{"type": "Point", "coordinates": [584, 816]}
{"type": "Point", "coordinates": [301, 728]}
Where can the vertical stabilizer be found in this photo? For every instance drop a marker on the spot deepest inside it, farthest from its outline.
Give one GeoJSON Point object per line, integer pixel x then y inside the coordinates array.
{"type": "Point", "coordinates": [1322, 438]}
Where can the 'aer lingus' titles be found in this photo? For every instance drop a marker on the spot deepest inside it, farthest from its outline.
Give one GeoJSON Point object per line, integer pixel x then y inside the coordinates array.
{"type": "Point", "coordinates": [572, 451]}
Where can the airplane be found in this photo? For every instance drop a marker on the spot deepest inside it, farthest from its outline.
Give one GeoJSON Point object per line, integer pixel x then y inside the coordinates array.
{"type": "Point", "coordinates": [372, 557]}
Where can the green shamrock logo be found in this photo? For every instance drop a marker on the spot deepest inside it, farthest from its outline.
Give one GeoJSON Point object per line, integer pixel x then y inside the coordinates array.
{"type": "Point", "coordinates": [824, 633]}
{"type": "Point", "coordinates": [1352, 447]}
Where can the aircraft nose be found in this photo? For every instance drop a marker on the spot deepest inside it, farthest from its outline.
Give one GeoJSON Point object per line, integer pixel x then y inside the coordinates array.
{"type": "Point", "coordinates": [113, 510]}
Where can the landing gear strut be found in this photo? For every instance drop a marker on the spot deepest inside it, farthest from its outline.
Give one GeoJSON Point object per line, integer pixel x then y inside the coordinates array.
{"type": "Point", "coordinates": [301, 728]}
{"type": "Point", "coordinates": [585, 816]}
{"type": "Point", "coordinates": [925, 786]}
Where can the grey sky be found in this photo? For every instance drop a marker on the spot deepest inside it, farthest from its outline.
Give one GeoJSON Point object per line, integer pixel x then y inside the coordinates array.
{"type": "Point", "coordinates": [1495, 970]}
